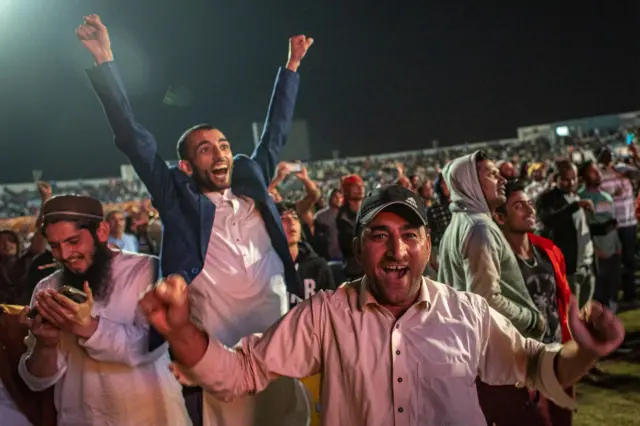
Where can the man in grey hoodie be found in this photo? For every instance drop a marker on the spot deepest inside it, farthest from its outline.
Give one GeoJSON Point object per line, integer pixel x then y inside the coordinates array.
{"type": "Point", "coordinates": [474, 255]}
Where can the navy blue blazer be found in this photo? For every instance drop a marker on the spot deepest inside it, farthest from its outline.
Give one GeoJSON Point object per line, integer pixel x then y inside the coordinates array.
{"type": "Point", "coordinates": [187, 215]}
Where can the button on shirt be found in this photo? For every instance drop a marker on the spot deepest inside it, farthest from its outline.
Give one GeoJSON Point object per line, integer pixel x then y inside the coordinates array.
{"type": "Point", "coordinates": [419, 369]}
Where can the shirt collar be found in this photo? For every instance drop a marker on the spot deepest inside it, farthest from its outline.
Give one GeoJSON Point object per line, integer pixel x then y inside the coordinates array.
{"type": "Point", "coordinates": [226, 197]}
{"type": "Point", "coordinates": [365, 297]}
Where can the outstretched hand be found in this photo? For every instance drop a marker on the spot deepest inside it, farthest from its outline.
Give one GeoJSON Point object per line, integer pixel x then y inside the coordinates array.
{"type": "Point", "coordinates": [596, 329]}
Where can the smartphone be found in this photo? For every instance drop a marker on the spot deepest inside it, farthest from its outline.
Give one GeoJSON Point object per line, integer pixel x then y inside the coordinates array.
{"type": "Point", "coordinates": [72, 293]}
{"type": "Point", "coordinates": [295, 167]}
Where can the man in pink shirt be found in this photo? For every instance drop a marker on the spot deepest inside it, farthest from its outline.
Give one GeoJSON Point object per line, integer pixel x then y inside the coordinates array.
{"type": "Point", "coordinates": [394, 348]}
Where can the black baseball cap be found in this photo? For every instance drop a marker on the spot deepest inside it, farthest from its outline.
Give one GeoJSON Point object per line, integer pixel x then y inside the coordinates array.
{"type": "Point", "coordinates": [385, 197]}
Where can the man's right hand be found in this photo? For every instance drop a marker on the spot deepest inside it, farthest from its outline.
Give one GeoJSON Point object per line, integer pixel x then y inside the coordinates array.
{"type": "Point", "coordinates": [95, 37]}
{"type": "Point", "coordinates": [46, 334]}
{"type": "Point", "coordinates": [586, 205]}
{"type": "Point", "coordinates": [166, 306]}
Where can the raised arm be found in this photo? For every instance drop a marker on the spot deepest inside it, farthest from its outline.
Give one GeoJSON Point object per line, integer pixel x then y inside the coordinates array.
{"type": "Point", "coordinates": [136, 142]}
{"type": "Point", "coordinates": [280, 113]}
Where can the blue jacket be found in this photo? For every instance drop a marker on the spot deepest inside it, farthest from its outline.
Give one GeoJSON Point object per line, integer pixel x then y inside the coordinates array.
{"type": "Point", "coordinates": [186, 214]}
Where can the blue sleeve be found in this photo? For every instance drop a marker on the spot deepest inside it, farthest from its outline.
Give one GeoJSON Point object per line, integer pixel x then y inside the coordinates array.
{"type": "Point", "coordinates": [136, 142]}
{"type": "Point", "coordinates": [278, 122]}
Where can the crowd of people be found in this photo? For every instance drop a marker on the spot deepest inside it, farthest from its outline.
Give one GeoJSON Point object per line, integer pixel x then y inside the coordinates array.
{"type": "Point", "coordinates": [460, 288]}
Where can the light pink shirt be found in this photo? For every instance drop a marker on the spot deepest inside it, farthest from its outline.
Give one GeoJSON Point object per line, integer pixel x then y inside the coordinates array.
{"type": "Point", "coordinates": [417, 370]}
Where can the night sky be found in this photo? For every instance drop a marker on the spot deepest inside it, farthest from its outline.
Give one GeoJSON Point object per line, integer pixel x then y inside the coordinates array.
{"type": "Point", "coordinates": [382, 76]}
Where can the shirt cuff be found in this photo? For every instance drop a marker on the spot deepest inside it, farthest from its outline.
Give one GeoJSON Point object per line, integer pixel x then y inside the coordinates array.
{"type": "Point", "coordinates": [547, 381]}
{"type": "Point", "coordinates": [37, 384]}
{"type": "Point", "coordinates": [206, 367]}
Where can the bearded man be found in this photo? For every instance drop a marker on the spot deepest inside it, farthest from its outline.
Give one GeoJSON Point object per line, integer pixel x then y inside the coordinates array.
{"type": "Point", "coordinates": [96, 354]}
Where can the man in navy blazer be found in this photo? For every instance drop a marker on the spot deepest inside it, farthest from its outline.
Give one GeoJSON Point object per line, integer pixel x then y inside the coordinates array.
{"type": "Point", "coordinates": [222, 231]}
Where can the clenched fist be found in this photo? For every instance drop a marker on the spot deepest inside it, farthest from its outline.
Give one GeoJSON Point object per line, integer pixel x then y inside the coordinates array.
{"type": "Point", "coordinates": [298, 46]}
{"type": "Point", "coordinates": [166, 306]}
{"type": "Point", "coordinates": [95, 37]}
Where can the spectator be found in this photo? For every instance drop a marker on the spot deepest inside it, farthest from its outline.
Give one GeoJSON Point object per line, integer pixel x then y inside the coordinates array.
{"type": "Point", "coordinates": [117, 235]}
{"type": "Point", "coordinates": [221, 231]}
{"type": "Point", "coordinates": [620, 188]}
{"type": "Point", "coordinates": [543, 270]}
{"type": "Point", "coordinates": [562, 218]}
{"type": "Point", "coordinates": [327, 229]}
{"type": "Point", "coordinates": [474, 254]}
{"type": "Point", "coordinates": [100, 344]}
{"type": "Point", "coordinates": [603, 229]}
{"type": "Point", "coordinates": [367, 336]}
{"type": "Point", "coordinates": [353, 190]}
{"type": "Point", "coordinates": [314, 272]}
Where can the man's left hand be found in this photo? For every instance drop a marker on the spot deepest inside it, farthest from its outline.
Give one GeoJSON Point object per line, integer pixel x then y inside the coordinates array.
{"type": "Point", "coordinates": [298, 46]}
{"type": "Point", "coordinates": [596, 329]}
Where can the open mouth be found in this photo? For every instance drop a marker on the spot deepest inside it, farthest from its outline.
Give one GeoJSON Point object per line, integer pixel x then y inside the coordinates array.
{"type": "Point", "coordinates": [396, 271]}
{"type": "Point", "coordinates": [220, 171]}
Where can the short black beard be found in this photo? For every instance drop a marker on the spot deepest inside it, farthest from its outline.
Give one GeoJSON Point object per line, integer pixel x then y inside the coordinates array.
{"type": "Point", "coordinates": [98, 274]}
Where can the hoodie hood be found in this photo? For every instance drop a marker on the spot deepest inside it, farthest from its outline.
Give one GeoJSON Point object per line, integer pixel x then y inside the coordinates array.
{"type": "Point", "coordinates": [461, 177]}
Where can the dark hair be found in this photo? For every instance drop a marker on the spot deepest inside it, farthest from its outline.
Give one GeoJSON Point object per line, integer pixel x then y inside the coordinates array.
{"type": "Point", "coordinates": [14, 236]}
{"type": "Point", "coordinates": [333, 191]}
{"type": "Point", "coordinates": [181, 146]}
{"type": "Point", "coordinates": [285, 206]}
{"type": "Point", "coordinates": [563, 166]}
{"type": "Point", "coordinates": [481, 156]}
{"type": "Point", "coordinates": [511, 187]}
{"type": "Point", "coordinates": [112, 212]}
{"type": "Point", "coordinates": [582, 170]}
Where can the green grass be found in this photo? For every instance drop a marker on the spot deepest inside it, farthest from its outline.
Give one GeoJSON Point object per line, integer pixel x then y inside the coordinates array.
{"type": "Point", "coordinates": [614, 400]}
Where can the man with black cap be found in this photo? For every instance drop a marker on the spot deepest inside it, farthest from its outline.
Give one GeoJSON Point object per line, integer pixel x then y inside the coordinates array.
{"type": "Point", "coordinates": [393, 347]}
{"type": "Point", "coordinates": [96, 353]}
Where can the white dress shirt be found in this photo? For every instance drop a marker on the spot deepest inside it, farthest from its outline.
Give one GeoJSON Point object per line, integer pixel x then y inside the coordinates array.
{"type": "Point", "coordinates": [111, 379]}
{"type": "Point", "coordinates": [241, 291]}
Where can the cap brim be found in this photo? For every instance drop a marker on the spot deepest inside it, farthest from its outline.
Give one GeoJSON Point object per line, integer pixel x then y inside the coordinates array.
{"type": "Point", "coordinates": [373, 213]}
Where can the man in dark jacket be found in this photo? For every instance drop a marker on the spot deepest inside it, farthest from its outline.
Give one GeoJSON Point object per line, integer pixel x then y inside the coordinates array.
{"type": "Point", "coordinates": [313, 270]}
{"type": "Point", "coordinates": [563, 221]}
{"type": "Point", "coordinates": [353, 190]}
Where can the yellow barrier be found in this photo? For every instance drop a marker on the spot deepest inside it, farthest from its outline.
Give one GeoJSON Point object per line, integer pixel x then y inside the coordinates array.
{"type": "Point", "coordinates": [313, 386]}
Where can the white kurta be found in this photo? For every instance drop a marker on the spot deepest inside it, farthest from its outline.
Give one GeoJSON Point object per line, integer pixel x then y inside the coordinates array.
{"type": "Point", "coordinates": [241, 291]}
{"type": "Point", "coordinates": [111, 379]}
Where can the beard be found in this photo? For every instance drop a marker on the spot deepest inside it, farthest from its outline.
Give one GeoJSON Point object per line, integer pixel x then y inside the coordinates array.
{"type": "Point", "coordinates": [98, 275]}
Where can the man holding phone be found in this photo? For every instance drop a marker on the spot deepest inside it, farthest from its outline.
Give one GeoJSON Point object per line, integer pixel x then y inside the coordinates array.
{"type": "Point", "coordinates": [88, 337]}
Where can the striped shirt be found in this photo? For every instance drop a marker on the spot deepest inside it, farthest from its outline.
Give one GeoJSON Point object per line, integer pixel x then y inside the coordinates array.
{"type": "Point", "coordinates": [620, 188]}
